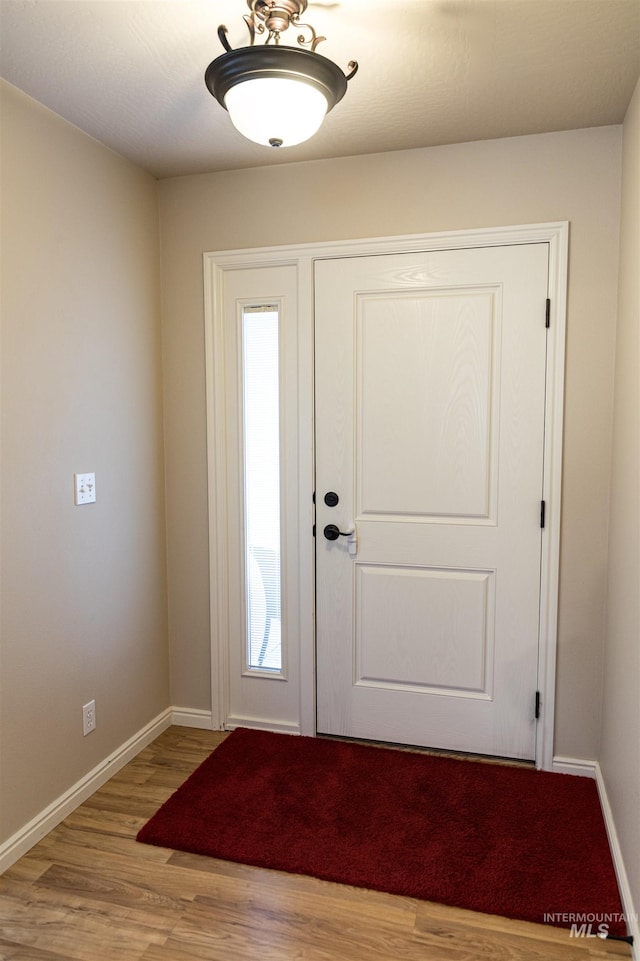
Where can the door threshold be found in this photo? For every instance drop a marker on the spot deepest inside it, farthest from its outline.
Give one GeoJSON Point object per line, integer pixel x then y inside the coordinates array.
{"type": "Point", "coordinates": [433, 751]}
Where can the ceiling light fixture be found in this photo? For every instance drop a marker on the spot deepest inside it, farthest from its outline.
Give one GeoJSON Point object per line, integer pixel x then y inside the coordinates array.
{"type": "Point", "coordinates": [276, 95]}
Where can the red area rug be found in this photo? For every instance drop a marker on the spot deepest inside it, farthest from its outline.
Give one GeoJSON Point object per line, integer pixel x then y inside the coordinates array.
{"type": "Point", "coordinates": [502, 840]}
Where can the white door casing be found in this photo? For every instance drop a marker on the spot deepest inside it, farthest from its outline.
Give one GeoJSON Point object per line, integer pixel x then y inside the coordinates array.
{"type": "Point", "coordinates": [300, 466]}
{"type": "Point", "coordinates": [430, 405]}
{"type": "Point", "coordinates": [249, 697]}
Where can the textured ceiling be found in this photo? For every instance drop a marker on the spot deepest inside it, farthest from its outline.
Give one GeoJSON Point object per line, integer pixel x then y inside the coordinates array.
{"type": "Point", "coordinates": [431, 72]}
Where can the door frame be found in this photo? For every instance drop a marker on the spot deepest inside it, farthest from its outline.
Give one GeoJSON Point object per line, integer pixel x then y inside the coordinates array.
{"type": "Point", "coordinates": [303, 256]}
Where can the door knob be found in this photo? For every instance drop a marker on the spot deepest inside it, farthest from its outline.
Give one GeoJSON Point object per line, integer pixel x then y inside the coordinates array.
{"type": "Point", "coordinates": [332, 532]}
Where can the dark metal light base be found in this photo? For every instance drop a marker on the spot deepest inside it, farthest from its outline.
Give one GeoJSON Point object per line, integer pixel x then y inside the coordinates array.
{"type": "Point", "coordinates": [293, 63]}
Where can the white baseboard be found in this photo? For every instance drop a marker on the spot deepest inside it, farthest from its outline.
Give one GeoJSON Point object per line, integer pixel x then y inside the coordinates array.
{"type": "Point", "coordinates": [261, 724]}
{"type": "Point", "coordinates": [618, 862]}
{"type": "Point", "coordinates": [569, 765]}
{"type": "Point", "coordinates": [572, 765]}
{"type": "Point", "coordinates": [192, 717]}
{"type": "Point", "coordinates": [24, 839]}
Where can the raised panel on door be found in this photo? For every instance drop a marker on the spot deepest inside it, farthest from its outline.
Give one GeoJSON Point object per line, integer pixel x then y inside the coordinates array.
{"type": "Point", "coordinates": [437, 626]}
{"type": "Point", "coordinates": [430, 380]}
{"type": "Point", "coordinates": [426, 395]}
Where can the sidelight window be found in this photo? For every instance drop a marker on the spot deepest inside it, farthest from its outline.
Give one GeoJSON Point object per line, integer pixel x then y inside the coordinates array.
{"type": "Point", "coordinates": [261, 450]}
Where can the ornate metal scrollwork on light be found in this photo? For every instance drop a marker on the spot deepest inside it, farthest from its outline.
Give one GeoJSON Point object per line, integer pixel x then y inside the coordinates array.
{"type": "Point", "coordinates": [277, 17]}
{"type": "Point", "coordinates": [276, 95]}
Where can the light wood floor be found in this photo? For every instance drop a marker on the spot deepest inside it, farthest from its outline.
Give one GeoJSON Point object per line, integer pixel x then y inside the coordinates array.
{"type": "Point", "coordinates": [89, 891]}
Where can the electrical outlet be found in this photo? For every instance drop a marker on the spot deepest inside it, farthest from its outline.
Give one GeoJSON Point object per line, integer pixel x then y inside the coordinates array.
{"type": "Point", "coordinates": [84, 488]}
{"type": "Point", "coordinates": [88, 718]}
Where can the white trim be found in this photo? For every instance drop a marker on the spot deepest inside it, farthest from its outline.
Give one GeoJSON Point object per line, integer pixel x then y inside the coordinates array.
{"type": "Point", "coordinates": [24, 839]}
{"type": "Point", "coordinates": [628, 907]}
{"type": "Point", "coordinates": [364, 247]}
{"type": "Point", "coordinates": [552, 492]}
{"type": "Point", "coordinates": [306, 487]}
{"type": "Point", "coordinates": [236, 691]}
{"type": "Point", "coordinates": [591, 769]}
{"type": "Point", "coordinates": [572, 765]}
{"type": "Point", "coordinates": [215, 388]}
{"type": "Point", "coordinates": [261, 724]}
{"type": "Point", "coordinates": [192, 717]}
{"type": "Point", "coordinates": [215, 265]}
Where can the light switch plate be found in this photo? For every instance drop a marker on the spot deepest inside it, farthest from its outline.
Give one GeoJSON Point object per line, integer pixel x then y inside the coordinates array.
{"type": "Point", "coordinates": [85, 488]}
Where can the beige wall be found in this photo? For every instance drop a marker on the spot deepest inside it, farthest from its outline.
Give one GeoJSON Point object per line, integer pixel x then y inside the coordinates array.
{"type": "Point", "coordinates": [83, 588]}
{"type": "Point", "coordinates": [84, 600]}
{"type": "Point", "coordinates": [620, 753]}
{"type": "Point", "coordinates": [571, 176]}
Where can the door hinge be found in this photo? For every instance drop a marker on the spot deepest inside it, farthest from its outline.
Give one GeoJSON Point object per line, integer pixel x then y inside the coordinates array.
{"type": "Point", "coordinates": [547, 314]}
{"type": "Point", "coordinates": [543, 510]}
{"type": "Point", "coordinates": [537, 712]}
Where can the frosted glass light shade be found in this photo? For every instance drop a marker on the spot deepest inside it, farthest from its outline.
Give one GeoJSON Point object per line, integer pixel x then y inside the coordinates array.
{"type": "Point", "coordinates": [276, 111]}
{"type": "Point", "coordinates": [276, 95]}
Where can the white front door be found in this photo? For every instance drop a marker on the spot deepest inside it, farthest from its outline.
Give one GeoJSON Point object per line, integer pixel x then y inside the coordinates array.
{"type": "Point", "coordinates": [430, 407]}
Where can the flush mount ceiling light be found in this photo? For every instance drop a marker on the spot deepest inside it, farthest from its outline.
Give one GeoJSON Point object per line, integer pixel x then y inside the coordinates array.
{"type": "Point", "coordinates": [276, 95]}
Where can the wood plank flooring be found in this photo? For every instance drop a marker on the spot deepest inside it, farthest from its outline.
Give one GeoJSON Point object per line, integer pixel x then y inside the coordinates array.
{"type": "Point", "coordinates": [89, 892]}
